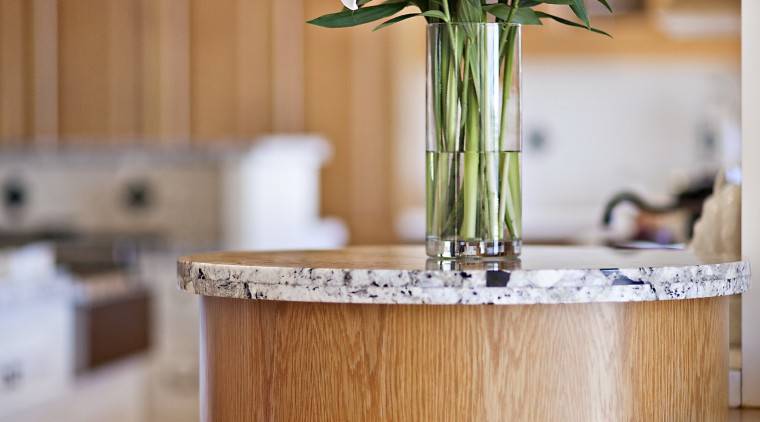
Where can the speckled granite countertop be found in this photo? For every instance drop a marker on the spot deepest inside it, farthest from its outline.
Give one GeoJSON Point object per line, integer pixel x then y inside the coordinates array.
{"type": "Point", "coordinates": [404, 275]}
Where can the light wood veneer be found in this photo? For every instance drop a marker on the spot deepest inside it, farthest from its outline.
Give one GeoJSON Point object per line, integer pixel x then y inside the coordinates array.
{"type": "Point", "coordinates": [650, 361]}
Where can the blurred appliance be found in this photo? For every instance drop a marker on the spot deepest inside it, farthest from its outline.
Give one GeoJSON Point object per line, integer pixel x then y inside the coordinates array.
{"type": "Point", "coordinates": [112, 309]}
{"type": "Point", "coordinates": [35, 327]}
{"type": "Point", "coordinates": [271, 196]}
{"type": "Point", "coordinates": [112, 306]}
{"type": "Point", "coordinates": [664, 224]}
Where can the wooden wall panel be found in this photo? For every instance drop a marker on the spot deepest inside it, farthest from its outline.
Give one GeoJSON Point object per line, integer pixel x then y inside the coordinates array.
{"type": "Point", "coordinates": [43, 110]}
{"type": "Point", "coordinates": [347, 100]}
{"type": "Point", "coordinates": [175, 71]}
{"type": "Point", "coordinates": [150, 70]}
{"type": "Point", "coordinates": [123, 70]}
{"type": "Point", "coordinates": [287, 59]}
{"type": "Point", "coordinates": [255, 70]}
{"type": "Point", "coordinates": [327, 64]}
{"type": "Point", "coordinates": [165, 73]}
{"type": "Point", "coordinates": [83, 71]}
{"type": "Point", "coordinates": [13, 70]}
{"type": "Point", "coordinates": [213, 64]}
{"type": "Point", "coordinates": [232, 77]}
{"type": "Point", "coordinates": [98, 71]}
{"type": "Point", "coordinates": [371, 143]}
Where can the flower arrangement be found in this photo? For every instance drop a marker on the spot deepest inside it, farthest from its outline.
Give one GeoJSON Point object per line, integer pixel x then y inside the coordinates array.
{"type": "Point", "coordinates": [473, 126]}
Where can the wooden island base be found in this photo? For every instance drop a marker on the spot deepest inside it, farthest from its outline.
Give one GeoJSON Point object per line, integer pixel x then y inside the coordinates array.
{"type": "Point", "coordinates": [289, 361]}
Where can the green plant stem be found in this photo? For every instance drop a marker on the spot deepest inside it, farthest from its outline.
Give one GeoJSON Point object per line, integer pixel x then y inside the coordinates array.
{"type": "Point", "coordinates": [432, 207]}
{"type": "Point", "coordinates": [452, 105]}
{"type": "Point", "coordinates": [489, 137]}
{"type": "Point", "coordinates": [448, 114]}
{"type": "Point", "coordinates": [514, 200]}
{"type": "Point", "coordinates": [471, 160]}
{"type": "Point", "coordinates": [509, 185]}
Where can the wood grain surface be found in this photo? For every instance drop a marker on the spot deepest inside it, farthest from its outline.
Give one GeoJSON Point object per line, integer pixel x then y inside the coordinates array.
{"type": "Point", "coordinates": [656, 361]}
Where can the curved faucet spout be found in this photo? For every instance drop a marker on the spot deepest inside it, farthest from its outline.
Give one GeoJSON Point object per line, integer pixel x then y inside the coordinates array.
{"type": "Point", "coordinates": [636, 200]}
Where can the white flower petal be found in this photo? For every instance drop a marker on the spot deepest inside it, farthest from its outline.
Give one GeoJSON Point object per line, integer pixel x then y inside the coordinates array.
{"type": "Point", "coordinates": [351, 4]}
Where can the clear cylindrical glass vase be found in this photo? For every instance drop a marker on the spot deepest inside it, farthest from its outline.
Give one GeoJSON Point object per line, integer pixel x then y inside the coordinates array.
{"type": "Point", "coordinates": [474, 200]}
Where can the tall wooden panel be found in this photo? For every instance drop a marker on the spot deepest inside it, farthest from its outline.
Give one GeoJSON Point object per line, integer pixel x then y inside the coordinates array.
{"type": "Point", "coordinates": [255, 71]}
{"type": "Point", "coordinates": [371, 142]}
{"type": "Point", "coordinates": [232, 77]}
{"type": "Point", "coordinates": [287, 59]}
{"type": "Point", "coordinates": [98, 68]}
{"type": "Point", "coordinates": [83, 70]}
{"type": "Point", "coordinates": [123, 70]}
{"type": "Point", "coordinates": [165, 80]}
{"type": "Point", "coordinates": [175, 70]}
{"type": "Point", "coordinates": [43, 111]}
{"type": "Point", "coordinates": [13, 71]}
{"type": "Point", "coordinates": [213, 40]}
{"type": "Point", "coordinates": [348, 101]}
{"type": "Point", "coordinates": [327, 62]}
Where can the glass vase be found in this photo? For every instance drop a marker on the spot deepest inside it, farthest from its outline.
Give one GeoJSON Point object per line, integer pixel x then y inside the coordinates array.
{"type": "Point", "coordinates": [474, 201]}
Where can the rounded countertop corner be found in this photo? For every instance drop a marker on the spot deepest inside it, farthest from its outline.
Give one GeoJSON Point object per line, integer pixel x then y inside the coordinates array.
{"type": "Point", "coordinates": [405, 275]}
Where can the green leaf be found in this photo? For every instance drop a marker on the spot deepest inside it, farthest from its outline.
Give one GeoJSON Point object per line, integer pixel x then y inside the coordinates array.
{"type": "Point", "coordinates": [469, 11]}
{"type": "Point", "coordinates": [522, 16]}
{"type": "Point", "coordinates": [525, 17]}
{"type": "Point", "coordinates": [435, 14]}
{"type": "Point", "coordinates": [401, 18]}
{"type": "Point", "coordinates": [425, 5]}
{"type": "Point", "coordinates": [579, 8]}
{"type": "Point", "coordinates": [499, 10]}
{"type": "Point", "coordinates": [534, 3]}
{"type": "Point", "coordinates": [605, 4]}
{"type": "Point", "coordinates": [570, 23]}
{"type": "Point", "coordinates": [397, 19]}
{"type": "Point", "coordinates": [361, 16]}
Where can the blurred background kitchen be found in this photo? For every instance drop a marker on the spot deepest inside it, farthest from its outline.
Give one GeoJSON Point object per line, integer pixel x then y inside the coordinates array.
{"type": "Point", "coordinates": [133, 131]}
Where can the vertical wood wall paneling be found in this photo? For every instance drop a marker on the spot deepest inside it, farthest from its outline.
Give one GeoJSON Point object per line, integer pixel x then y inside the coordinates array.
{"type": "Point", "coordinates": [12, 72]}
{"type": "Point", "coordinates": [123, 70]}
{"type": "Point", "coordinates": [165, 74]}
{"type": "Point", "coordinates": [150, 69]}
{"type": "Point", "coordinates": [43, 96]}
{"type": "Point", "coordinates": [213, 70]}
{"type": "Point", "coordinates": [288, 64]}
{"type": "Point", "coordinates": [327, 61]}
{"type": "Point", "coordinates": [83, 71]}
{"type": "Point", "coordinates": [174, 74]}
{"type": "Point", "coordinates": [255, 70]}
{"type": "Point", "coordinates": [407, 61]}
{"type": "Point", "coordinates": [371, 143]}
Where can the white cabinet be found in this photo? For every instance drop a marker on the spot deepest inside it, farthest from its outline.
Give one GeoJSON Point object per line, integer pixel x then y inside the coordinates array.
{"type": "Point", "coordinates": [35, 353]}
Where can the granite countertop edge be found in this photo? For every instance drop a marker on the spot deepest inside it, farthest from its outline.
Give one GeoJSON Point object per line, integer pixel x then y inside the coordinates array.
{"type": "Point", "coordinates": [476, 287]}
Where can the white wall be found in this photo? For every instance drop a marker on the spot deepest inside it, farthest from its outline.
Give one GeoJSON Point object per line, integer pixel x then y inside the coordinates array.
{"type": "Point", "coordinates": [607, 125]}
{"type": "Point", "coordinates": [751, 199]}
{"type": "Point", "coordinates": [611, 125]}
{"type": "Point", "coordinates": [85, 191]}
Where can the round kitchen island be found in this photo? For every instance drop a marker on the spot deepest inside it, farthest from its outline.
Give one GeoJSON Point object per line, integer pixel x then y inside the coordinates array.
{"type": "Point", "coordinates": [384, 333]}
